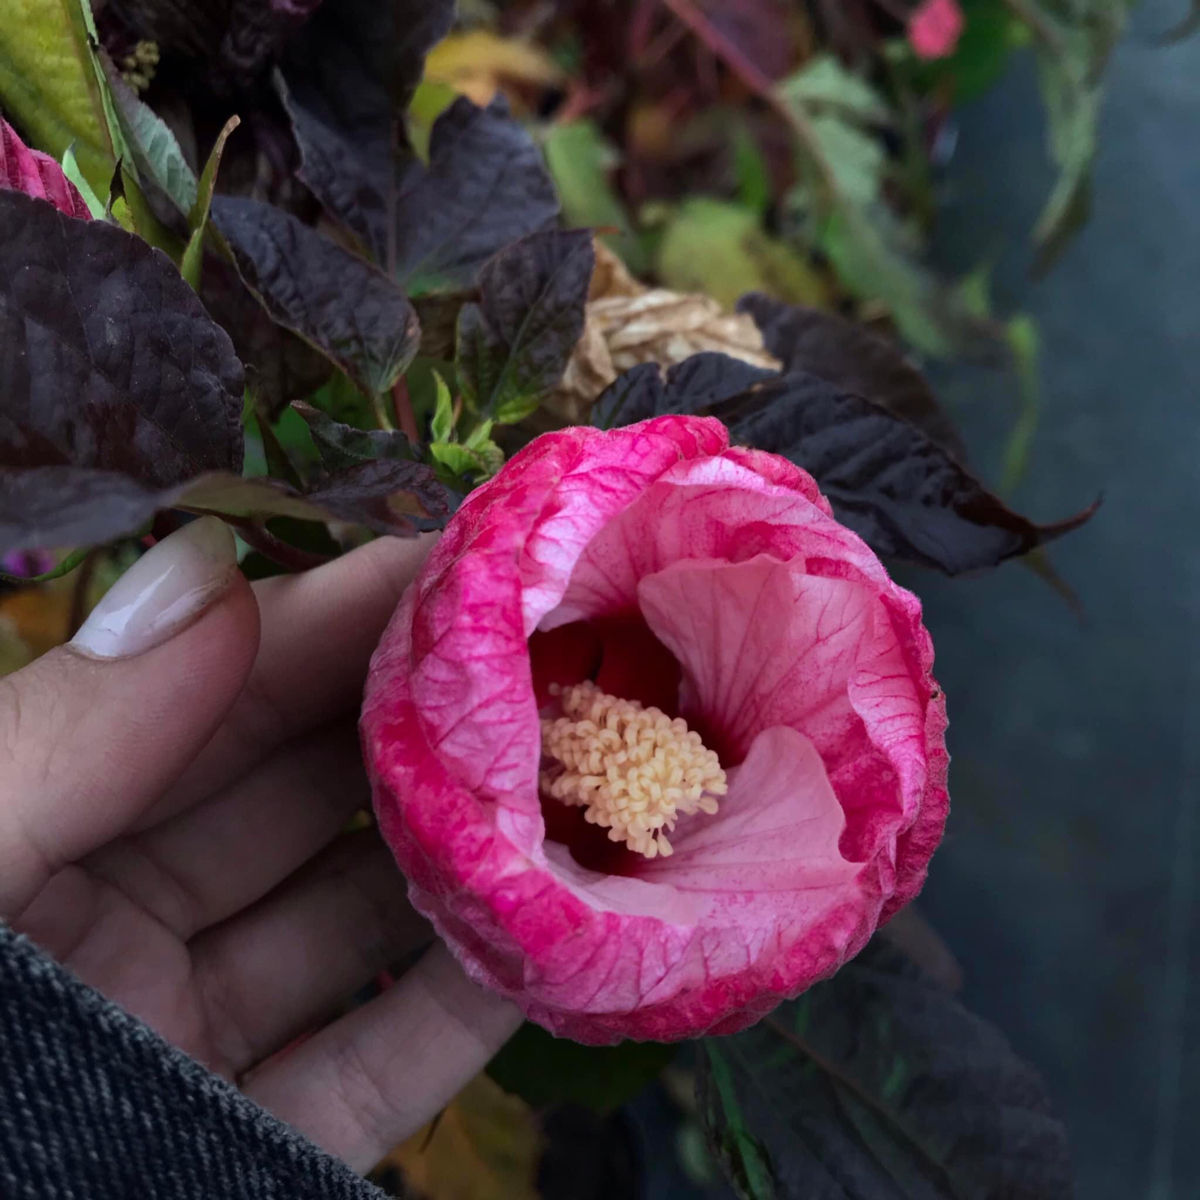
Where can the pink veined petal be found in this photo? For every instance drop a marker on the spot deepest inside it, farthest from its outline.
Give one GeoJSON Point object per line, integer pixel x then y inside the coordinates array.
{"type": "Point", "coordinates": [777, 830]}
{"type": "Point", "coordinates": [713, 508]}
{"type": "Point", "coordinates": [761, 644]}
{"type": "Point", "coordinates": [37, 174]}
{"type": "Point", "coordinates": [508, 555]}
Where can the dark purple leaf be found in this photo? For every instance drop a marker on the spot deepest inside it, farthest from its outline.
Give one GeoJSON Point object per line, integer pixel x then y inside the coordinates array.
{"type": "Point", "coordinates": [347, 79]}
{"type": "Point", "coordinates": [190, 27]}
{"type": "Point", "coordinates": [690, 386]}
{"type": "Point", "coordinates": [878, 1083]}
{"type": "Point", "coordinates": [853, 358]}
{"type": "Point", "coordinates": [901, 491]}
{"type": "Point", "coordinates": [341, 445]}
{"type": "Point", "coordinates": [71, 506]}
{"type": "Point", "coordinates": [343, 306]}
{"type": "Point", "coordinates": [513, 345]}
{"type": "Point", "coordinates": [387, 495]}
{"type": "Point", "coordinates": [108, 360]}
{"type": "Point", "coordinates": [486, 185]}
{"type": "Point", "coordinates": [280, 366]}
{"type": "Point", "coordinates": [753, 28]}
{"type": "Point", "coordinates": [635, 395]}
{"type": "Point", "coordinates": [79, 506]}
{"type": "Point", "coordinates": [233, 39]}
{"type": "Point", "coordinates": [256, 33]}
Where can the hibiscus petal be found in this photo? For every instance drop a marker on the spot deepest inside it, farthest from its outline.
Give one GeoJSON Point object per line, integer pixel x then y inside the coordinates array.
{"type": "Point", "coordinates": [715, 508]}
{"type": "Point", "coordinates": [777, 831]}
{"type": "Point", "coordinates": [760, 645]}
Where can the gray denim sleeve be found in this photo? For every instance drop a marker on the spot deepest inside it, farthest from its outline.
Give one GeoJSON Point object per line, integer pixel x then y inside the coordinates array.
{"type": "Point", "coordinates": [95, 1105]}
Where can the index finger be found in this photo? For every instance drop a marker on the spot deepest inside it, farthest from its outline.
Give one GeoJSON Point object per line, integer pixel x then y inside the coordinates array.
{"type": "Point", "coordinates": [319, 630]}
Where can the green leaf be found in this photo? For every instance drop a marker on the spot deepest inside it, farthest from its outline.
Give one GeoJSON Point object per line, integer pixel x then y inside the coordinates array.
{"type": "Point", "coordinates": [71, 170]}
{"type": "Point", "coordinates": [1072, 40]}
{"type": "Point", "coordinates": [856, 158]}
{"type": "Point", "coordinates": [750, 170]}
{"type": "Point", "coordinates": [875, 257]}
{"type": "Point", "coordinates": [157, 160]}
{"type": "Point", "coordinates": [48, 87]}
{"type": "Point", "coordinates": [743, 1156]}
{"type": "Point", "coordinates": [581, 161]}
{"type": "Point", "coordinates": [877, 1083]}
{"type": "Point", "coordinates": [545, 1070]}
{"type": "Point", "coordinates": [193, 255]}
{"type": "Point", "coordinates": [514, 344]}
{"type": "Point", "coordinates": [442, 424]}
{"type": "Point", "coordinates": [343, 445]}
{"type": "Point", "coordinates": [1025, 346]}
{"type": "Point", "coordinates": [825, 83]}
{"type": "Point", "coordinates": [720, 249]}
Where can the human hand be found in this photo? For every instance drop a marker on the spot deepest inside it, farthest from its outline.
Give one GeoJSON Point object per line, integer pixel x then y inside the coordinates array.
{"type": "Point", "coordinates": [173, 807]}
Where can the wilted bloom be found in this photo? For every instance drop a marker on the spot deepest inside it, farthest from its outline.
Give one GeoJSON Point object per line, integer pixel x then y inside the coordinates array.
{"type": "Point", "coordinates": [935, 27]}
{"type": "Point", "coordinates": [653, 736]}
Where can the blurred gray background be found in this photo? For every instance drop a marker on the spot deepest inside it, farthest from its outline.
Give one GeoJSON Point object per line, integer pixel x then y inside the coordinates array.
{"type": "Point", "coordinates": [1067, 884]}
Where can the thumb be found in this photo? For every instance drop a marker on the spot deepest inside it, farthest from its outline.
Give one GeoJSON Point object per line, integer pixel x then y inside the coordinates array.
{"type": "Point", "coordinates": [94, 731]}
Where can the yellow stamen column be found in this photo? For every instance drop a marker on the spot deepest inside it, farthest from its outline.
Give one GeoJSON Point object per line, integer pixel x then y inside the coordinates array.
{"type": "Point", "coordinates": [633, 769]}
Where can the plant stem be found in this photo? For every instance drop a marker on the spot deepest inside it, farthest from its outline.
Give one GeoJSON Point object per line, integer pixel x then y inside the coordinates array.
{"type": "Point", "coordinates": [260, 538]}
{"type": "Point", "coordinates": [405, 417]}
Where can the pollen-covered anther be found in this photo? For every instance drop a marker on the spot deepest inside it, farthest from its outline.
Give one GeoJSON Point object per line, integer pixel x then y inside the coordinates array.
{"type": "Point", "coordinates": [632, 768]}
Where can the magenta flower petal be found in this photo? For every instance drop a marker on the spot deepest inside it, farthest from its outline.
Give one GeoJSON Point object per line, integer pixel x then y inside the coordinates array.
{"type": "Point", "coordinates": [708, 581]}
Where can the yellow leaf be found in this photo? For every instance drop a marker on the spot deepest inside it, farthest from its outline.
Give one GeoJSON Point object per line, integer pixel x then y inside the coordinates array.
{"type": "Point", "coordinates": [485, 1146]}
{"type": "Point", "coordinates": [476, 63]}
{"type": "Point", "coordinates": [48, 86]}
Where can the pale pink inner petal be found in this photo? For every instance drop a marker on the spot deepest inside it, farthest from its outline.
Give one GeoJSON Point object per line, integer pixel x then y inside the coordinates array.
{"type": "Point", "coordinates": [777, 829]}
{"type": "Point", "coordinates": [715, 509]}
{"type": "Point", "coordinates": [760, 645]}
{"type": "Point", "coordinates": [622, 893]}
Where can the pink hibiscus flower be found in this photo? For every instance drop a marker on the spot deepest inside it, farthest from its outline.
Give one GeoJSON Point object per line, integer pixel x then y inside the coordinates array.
{"type": "Point", "coordinates": [935, 27]}
{"type": "Point", "coordinates": [653, 737]}
{"type": "Point", "coordinates": [37, 174]}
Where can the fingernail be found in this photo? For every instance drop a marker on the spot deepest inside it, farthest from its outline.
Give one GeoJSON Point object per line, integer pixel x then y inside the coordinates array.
{"type": "Point", "coordinates": [166, 589]}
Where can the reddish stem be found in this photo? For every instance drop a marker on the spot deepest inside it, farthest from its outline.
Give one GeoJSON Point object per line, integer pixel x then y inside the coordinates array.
{"type": "Point", "coordinates": [260, 538]}
{"type": "Point", "coordinates": [753, 78]}
{"type": "Point", "coordinates": [405, 417]}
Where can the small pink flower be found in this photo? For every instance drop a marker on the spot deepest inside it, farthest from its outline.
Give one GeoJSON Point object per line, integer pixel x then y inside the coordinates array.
{"type": "Point", "coordinates": [27, 563]}
{"type": "Point", "coordinates": [37, 174]}
{"type": "Point", "coordinates": [620, 871]}
{"type": "Point", "coordinates": [935, 27]}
